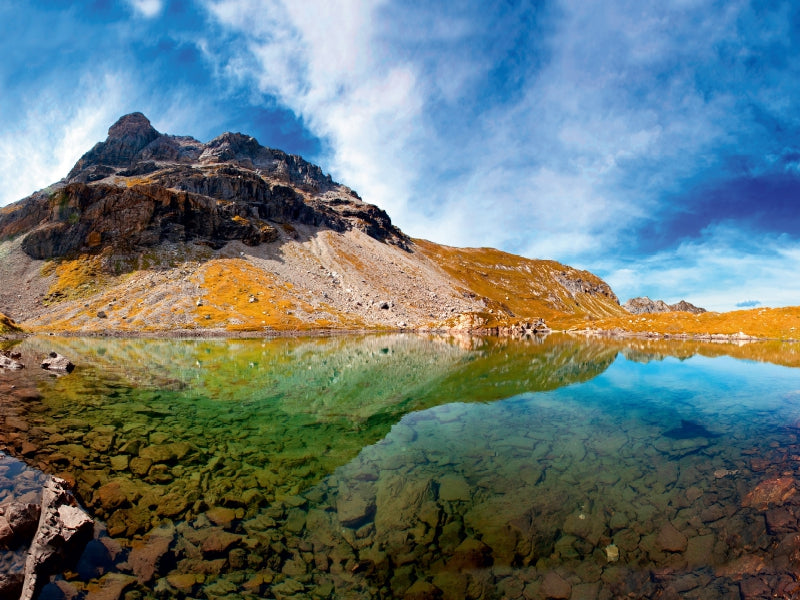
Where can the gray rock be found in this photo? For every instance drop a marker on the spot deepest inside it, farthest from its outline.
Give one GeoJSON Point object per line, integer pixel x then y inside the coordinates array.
{"type": "Point", "coordinates": [18, 523]}
{"type": "Point", "coordinates": [9, 361]}
{"type": "Point", "coordinates": [58, 363]}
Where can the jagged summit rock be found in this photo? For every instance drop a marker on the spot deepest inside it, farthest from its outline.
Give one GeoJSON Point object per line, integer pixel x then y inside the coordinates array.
{"type": "Point", "coordinates": [140, 188]}
{"type": "Point", "coordinates": [126, 139]}
{"type": "Point", "coordinates": [133, 127]}
{"type": "Point", "coordinates": [644, 305]}
{"type": "Point", "coordinates": [685, 306]}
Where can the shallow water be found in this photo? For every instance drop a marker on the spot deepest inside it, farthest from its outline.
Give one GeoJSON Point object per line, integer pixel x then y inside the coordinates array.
{"type": "Point", "coordinates": [409, 466]}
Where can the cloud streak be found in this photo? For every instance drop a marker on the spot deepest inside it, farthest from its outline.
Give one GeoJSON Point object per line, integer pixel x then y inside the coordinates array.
{"type": "Point", "coordinates": [51, 136]}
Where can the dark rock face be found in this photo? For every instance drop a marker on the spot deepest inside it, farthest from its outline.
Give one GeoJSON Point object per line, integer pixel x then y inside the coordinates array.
{"type": "Point", "coordinates": [140, 188]}
{"type": "Point", "coordinates": [645, 305]}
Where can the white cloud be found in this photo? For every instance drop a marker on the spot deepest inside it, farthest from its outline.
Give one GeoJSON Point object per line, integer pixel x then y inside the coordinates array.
{"type": "Point", "coordinates": [546, 171]}
{"type": "Point", "coordinates": [321, 60]}
{"type": "Point", "coordinates": [147, 8]}
{"type": "Point", "coordinates": [722, 268]}
{"type": "Point", "coordinates": [53, 135]}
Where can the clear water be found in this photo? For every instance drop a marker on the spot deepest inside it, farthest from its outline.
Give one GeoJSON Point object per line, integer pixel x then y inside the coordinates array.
{"type": "Point", "coordinates": [422, 467]}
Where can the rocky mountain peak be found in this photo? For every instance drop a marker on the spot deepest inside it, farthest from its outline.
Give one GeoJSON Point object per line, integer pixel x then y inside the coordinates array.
{"type": "Point", "coordinates": [134, 126]}
{"type": "Point", "coordinates": [139, 188]}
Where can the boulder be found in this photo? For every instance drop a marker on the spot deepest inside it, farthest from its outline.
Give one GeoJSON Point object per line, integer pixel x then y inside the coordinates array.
{"type": "Point", "coordinates": [670, 539]}
{"type": "Point", "coordinates": [9, 361]}
{"type": "Point", "coordinates": [771, 492]}
{"type": "Point", "coordinates": [18, 523]}
{"type": "Point", "coordinates": [63, 530]}
{"type": "Point", "coordinates": [56, 362]}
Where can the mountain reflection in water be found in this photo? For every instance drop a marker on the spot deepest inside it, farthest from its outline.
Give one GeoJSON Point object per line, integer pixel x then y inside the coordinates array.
{"type": "Point", "coordinates": [419, 466]}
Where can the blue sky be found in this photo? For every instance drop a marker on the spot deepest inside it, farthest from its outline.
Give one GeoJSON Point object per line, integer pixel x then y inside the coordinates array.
{"type": "Point", "coordinates": [654, 143]}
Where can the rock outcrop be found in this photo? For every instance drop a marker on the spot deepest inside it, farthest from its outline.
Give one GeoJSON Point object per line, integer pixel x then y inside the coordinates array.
{"type": "Point", "coordinates": [63, 530]}
{"type": "Point", "coordinates": [645, 305]}
{"type": "Point", "coordinates": [140, 188]}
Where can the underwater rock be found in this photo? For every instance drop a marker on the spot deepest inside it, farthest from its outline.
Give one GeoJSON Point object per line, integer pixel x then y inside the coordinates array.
{"type": "Point", "coordinates": [11, 585]}
{"type": "Point", "coordinates": [780, 520]}
{"type": "Point", "coordinates": [771, 491]}
{"type": "Point", "coordinates": [670, 539]}
{"type": "Point", "coordinates": [689, 430]}
{"type": "Point", "coordinates": [422, 590]}
{"type": "Point", "coordinates": [554, 586]}
{"type": "Point", "coordinates": [454, 488]}
{"type": "Point", "coordinates": [151, 555]}
{"type": "Point", "coordinates": [612, 553]}
{"type": "Point", "coordinates": [56, 362]}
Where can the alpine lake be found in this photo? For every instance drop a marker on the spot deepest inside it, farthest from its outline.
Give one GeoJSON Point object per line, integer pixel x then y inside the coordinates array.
{"type": "Point", "coordinates": [415, 466]}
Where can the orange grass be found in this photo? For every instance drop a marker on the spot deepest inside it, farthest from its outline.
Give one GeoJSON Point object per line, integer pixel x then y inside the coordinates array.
{"type": "Point", "coordinates": [515, 288]}
{"type": "Point", "coordinates": [773, 323]}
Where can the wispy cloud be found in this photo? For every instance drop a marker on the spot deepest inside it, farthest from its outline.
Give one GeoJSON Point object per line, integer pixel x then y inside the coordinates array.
{"type": "Point", "coordinates": [600, 113]}
{"type": "Point", "coordinates": [147, 8]}
{"type": "Point", "coordinates": [720, 270]}
{"type": "Point", "coordinates": [53, 133]}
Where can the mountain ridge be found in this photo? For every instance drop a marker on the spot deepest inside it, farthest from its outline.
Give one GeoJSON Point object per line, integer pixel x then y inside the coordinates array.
{"type": "Point", "coordinates": [157, 232]}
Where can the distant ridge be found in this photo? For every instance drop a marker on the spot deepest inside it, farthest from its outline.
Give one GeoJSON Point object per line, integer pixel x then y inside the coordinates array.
{"type": "Point", "coordinates": [644, 305]}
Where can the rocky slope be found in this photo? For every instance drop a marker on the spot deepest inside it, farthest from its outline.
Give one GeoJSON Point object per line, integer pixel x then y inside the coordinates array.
{"type": "Point", "coordinates": [644, 305]}
{"type": "Point", "coordinates": [154, 232]}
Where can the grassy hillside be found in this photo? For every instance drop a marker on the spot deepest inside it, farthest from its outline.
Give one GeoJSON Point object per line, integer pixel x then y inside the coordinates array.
{"type": "Point", "coordinates": [517, 288]}
{"type": "Point", "coordinates": [774, 323]}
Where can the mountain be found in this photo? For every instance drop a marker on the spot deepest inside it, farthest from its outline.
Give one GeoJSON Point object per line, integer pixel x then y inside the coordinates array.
{"type": "Point", "coordinates": [155, 232]}
{"type": "Point", "coordinates": [644, 305]}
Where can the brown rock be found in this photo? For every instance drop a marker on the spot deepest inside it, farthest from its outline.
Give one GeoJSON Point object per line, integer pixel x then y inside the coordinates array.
{"type": "Point", "coordinates": [183, 582]}
{"type": "Point", "coordinates": [149, 556]}
{"type": "Point", "coordinates": [11, 585]}
{"type": "Point", "coordinates": [219, 541]}
{"type": "Point", "coordinates": [116, 493]}
{"type": "Point", "coordinates": [670, 539]}
{"type": "Point", "coordinates": [752, 588]}
{"type": "Point", "coordinates": [355, 508]}
{"type": "Point", "coordinates": [422, 590]}
{"type": "Point", "coordinates": [453, 488]}
{"type": "Point", "coordinates": [18, 522]}
{"type": "Point", "coordinates": [770, 492]}
{"type": "Point", "coordinates": [219, 515]}
{"type": "Point", "coordinates": [470, 554]}
{"type": "Point", "coordinates": [112, 586]}
{"type": "Point", "coordinates": [780, 520]}
{"type": "Point", "coordinates": [749, 564]}
{"type": "Point", "coordinates": [554, 586]}
{"type": "Point", "coordinates": [140, 466]}
{"type": "Point", "coordinates": [172, 505]}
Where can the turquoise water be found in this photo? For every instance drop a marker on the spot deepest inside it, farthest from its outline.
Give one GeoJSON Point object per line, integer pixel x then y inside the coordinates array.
{"type": "Point", "coordinates": [422, 467]}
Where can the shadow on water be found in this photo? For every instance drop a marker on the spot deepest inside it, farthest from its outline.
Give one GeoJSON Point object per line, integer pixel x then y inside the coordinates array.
{"type": "Point", "coordinates": [417, 466]}
{"type": "Point", "coordinates": [688, 430]}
